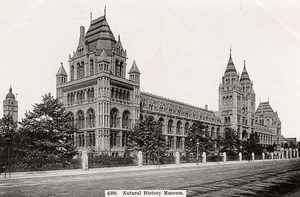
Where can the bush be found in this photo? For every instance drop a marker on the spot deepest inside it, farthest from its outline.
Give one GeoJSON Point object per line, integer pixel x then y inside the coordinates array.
{"type": "Point", "coordinates": [109, 161]}
{"type": "Point", "coordinates": [214, 158]}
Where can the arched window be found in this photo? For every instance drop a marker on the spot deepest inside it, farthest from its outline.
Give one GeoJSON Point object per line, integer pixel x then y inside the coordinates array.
{"type": "Point", "coordinates": [178, 128]}
{"type": "Point", "coordinates": [161, 120]}
{"type": "Point", "coordinates": [114, 118]}
{"type": "Point", "coordinates": [70, 117]}
{"type": "Point", "coordinates": [72, 73]}
{"type": "Point", "coordinates": [90, 118]}
{"type": "Point", "coordinates": [186, 128]}
{"type": "Point", "coordinates": [244, 135]}
{"type": "Point", "coordinates": [117, 71]}
{"type": "Point", "coordinates": [126, 120]}
{"type": "Point", "coordinates": [92, 139]}
{"type": "Point", "coordinates": [213, 134]}
{"type": "Point", "coordinates": [91, 67]}
{"type": "Point", "coordinates": [80, 70]}
{"type": "Point", "coordinates": [121, 69]}
{"type": "Point", "coordinates": [170, 125]}
{"type": "Point", "coordinates": [80, 119]}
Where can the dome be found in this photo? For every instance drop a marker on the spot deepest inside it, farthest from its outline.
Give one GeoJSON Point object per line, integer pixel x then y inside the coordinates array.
{"type": "Point", "coordinates": [10, 95]}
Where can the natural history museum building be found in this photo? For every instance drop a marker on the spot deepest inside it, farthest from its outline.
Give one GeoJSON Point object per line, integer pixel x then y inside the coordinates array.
{"type": "Point", "coordinates": [105, 104]}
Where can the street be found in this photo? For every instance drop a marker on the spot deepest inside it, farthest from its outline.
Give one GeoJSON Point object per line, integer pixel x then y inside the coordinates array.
{"type": "Point", "coordinates": [268, 178]}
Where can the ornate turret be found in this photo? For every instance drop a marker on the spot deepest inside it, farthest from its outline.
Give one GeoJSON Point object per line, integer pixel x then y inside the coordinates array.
{"type": "Point", "coordinates": [134, 73]}
{"type": "Point", "coordinates": [10, 105]}
{"type": "Point", "coordinates": [61, 75]}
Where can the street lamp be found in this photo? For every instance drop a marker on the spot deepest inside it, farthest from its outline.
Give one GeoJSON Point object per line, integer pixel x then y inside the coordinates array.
{"type": "Point", "coordinates": [197, 145]}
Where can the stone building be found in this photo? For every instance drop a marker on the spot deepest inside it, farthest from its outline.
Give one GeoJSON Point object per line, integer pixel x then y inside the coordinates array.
{"type": "Point", "coordinates": [105, 104]}
{"type": "Point", "coordinates": [10, 105]}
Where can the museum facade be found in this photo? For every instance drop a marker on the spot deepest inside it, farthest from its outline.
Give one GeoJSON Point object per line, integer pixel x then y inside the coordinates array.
{"type": "Point", "coordinates": [105, 104]}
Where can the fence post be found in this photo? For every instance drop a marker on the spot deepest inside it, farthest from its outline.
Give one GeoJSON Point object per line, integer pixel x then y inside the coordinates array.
{"type": "Point", "coordinates": [294, 153]}
{"type": "Point", "coordinates": [253, 157]}
{"type": "Point", "coordinates": [272, 156]}
{"type": "Point", "coordinates": [297, 153]}
{"type": "Point", "coordinates": [204, 157]}
{"type": "Point", "coordinates": [240, 156]}
{"type": "Point", "coordinates": [140, 158]}
{"type": "Point", "coordinates": [84, 160]}
{"type": "Point", "coordinates": [177, 155]}
{"type": "Point", "coordinates": [287, 153]}
{"type": "Point", "coordinates": [263, 156]}
{"type": "Point", "coordinates": [224, 157]}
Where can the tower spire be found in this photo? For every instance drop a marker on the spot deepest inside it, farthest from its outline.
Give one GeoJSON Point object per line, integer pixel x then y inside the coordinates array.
{"type": "Point", "coordinates": [104, 11]}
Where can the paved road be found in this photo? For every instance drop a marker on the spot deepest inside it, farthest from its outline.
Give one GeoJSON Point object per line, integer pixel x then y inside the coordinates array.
{"type": "Point", "coordinates": [268, 178]}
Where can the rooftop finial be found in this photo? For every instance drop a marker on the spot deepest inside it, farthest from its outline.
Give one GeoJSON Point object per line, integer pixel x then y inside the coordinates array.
{"type": "Point", "coordinates": [91, 16]}
{"type": "Point", "coordinates": [230, 50]}
{"type": "Point", "coordinates": [105, 11]}
{"type": "Point", "coordinates": [245, 63]}
{"type": "Point", "coordinates": [61, 64]}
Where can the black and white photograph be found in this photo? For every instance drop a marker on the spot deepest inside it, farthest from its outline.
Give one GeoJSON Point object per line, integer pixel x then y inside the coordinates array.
{"type": "Point", "coordinates": [137, 98]}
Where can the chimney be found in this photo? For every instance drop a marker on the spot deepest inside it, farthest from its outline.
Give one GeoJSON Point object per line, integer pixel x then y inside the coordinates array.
{"type": "Point", "coordinates": [206, 107]}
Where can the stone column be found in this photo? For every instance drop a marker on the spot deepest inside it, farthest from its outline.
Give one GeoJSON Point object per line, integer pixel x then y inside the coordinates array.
{"type": "Point", "coordinates": [240, 156]}
{"type": "Point", "coordinates": [177, 156]}
{"type": "Point", "coordinates": [224, 157]}
{"type": "Point", "coordinates": [263, 156]}
{"type": "Point", "coordinates": [297, 153]}
{"type": "Point", "coordinates": [287, 153]}
{"type": "Point", "coordinates": [140, 158]}
{"type": "Point", "coordinates": [84, 160]}
{"type": "Point", "coordinates": [204, 157]}
{"type": "Point", "coordinates": [253, 157]}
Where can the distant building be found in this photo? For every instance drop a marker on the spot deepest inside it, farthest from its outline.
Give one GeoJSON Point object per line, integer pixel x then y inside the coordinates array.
{"type": "Point", "coordinates": [10, 105]}
{"type": "Point", "coordinates": [288, 140]}
{"type": "Point", "coordinates": [105, 104]}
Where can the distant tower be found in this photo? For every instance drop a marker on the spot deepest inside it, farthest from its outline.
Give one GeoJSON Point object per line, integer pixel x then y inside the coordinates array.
{"type": "Point", "coordinates": [10, 105]}
{"type": "Point", "coordinates": [61, 78]}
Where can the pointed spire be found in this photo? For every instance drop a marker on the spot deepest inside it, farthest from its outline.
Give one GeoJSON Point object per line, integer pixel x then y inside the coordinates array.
{"type": "Point", "coordinates": [245, 75]}
{"type": "Point", "coordinates": [91, 16]}
{"type": "Point", "coordinates": [104, 11]}
{"type": "Point", "coordinates": [230, 66]}
{"type": "Point", "coordinates": [134, 68]}
{"type": "Point", "coordinates": [61, 70]}
{"type": "Point", "coordinates": [119, 39]}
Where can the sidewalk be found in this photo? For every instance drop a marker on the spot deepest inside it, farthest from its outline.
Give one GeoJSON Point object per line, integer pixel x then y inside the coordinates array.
{"type": "Point", "coordinates": [71, 172]}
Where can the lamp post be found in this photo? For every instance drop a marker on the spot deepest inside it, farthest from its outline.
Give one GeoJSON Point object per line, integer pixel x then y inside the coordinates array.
{"type": "Point", "coordinates": [197, 145]}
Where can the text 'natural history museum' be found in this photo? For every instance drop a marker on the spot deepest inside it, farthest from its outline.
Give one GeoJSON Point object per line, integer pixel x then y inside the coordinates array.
{"type": "Point", "coordinates": [105, 104]}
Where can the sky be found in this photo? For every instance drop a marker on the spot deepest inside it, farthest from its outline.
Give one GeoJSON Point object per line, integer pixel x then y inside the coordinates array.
{"type": "Point", "coordinates": [181, 47]}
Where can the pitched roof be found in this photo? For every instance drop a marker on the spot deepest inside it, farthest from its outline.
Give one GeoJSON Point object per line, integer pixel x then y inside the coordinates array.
{"type": "Point", "coordinates": [266, 109]}
{"type": "Point", "coordinates": [61, 71]}
{"type": "Point", "coordinates": [134, 68]}
{"type": "Point", "coordinates": [100, 35]}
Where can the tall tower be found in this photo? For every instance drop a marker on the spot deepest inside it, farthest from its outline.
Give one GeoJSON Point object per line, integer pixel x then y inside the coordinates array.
{"type": "Point", "coordinates": [237, 101]}
{"type": "Point", "coordinates": [248, 102]}
{"type": "Point", "coordinates": [10, 105]}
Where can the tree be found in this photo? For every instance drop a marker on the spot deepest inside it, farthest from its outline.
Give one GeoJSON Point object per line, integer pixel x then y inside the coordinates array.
{"type": "Point", "coordinates": [198, 135]}
{"type": "Point", "coordinates": [147, 136]}
{"type": "Point", "coordinates": [230, 141]}
{"type": "Point", "coordinates": [8, 131]}
{"type": "Point", "coordinates": [251, 145]}
{"type": "Point", "coordinates": [271, 148]}
{"type": "Point", "coordinates": [45, 133]}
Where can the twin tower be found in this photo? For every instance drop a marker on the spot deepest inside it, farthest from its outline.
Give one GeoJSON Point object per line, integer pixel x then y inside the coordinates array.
{"type": "Point", "coordinates": [237, 100]}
